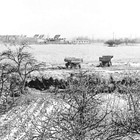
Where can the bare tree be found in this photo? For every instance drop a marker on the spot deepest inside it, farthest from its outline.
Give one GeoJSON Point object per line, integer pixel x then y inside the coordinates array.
{"type": "Point", "coordinates": [15, 67]}
{"type": "Point", "coordinates": [22, 62]}
{"type": "Point", "coordinates": [79, 117]}
{"type": "Point", "coordinates": [127, 124]}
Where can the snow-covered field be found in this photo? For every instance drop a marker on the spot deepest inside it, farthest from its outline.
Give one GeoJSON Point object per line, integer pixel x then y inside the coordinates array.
{"type": "Point", "coordinates": [124, 57]}
{"type": "Point", "coordinates": [23, 121]}
{"type": "Point", "coordinates": [55, 54]}
{"type": "Point", "coordinates": [18, 123]}
{"type": "Point", "coordinates": [89, 53]}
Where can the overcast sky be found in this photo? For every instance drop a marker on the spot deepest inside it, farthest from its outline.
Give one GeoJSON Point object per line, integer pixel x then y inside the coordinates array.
{"type": "Point", "coordinates": [71, 18]}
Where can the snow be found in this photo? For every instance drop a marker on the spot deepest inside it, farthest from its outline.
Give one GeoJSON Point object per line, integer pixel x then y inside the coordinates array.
{"type": "Point", "coordinates": [124, 57]}
{"type": "Point", "coordinates": [55, 54]}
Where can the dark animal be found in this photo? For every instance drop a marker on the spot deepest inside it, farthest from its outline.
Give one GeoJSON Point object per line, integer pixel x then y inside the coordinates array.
{"type": "Point", "coordinates": [37, 84]}
{"type": "Point", "coordinates": [46, 83]}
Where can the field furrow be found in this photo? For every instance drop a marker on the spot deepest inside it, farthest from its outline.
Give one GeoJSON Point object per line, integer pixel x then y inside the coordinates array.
{"type": "Point", "coordinates": [27, 124]}
{"type": "Point", "coordinates": [19, 118]}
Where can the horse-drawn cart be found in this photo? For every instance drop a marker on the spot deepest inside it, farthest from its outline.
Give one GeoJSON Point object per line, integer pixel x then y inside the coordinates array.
{"type": "Point", "coordinates": [73, 62]}
{"type": "Point", "coordinates": [105, 61]}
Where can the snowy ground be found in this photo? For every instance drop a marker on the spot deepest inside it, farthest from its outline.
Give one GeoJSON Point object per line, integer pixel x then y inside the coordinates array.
{"type": "Point", "coordinates": [90, 53]}
{"type": "Point", "coordinates": [23, 120]}
{"type": "Point", "coordinates": [125, 58]}
{"type": "Point", "coordinates": [19, 123]}
{"type": "Point", "coordinates": [16, 124]}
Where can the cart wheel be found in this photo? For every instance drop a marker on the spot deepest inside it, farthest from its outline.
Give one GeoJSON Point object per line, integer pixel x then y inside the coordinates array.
{"type": "Point", "coordinates": [104, 64]}
{"type": "Point", "coordinates": [71, 66]}
{"type": "Point", "coordinates": [110, 63]}
{"type": "Point", "coordinates": [67, 65]}
{"type": "Point", "coordinates": [101, 64]}
{"type": "Point", "coordinates": [75, 66]}
{"type": "Point", "coordinates": [79, 66]}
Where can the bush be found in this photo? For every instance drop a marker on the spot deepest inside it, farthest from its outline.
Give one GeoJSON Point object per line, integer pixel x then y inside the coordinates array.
{"type": "Point", "coordinates": [15, 67]}
{"type": "Point", "coordinates": [111, 43]}
{"type": "Point", "coordinates": [79, 117]}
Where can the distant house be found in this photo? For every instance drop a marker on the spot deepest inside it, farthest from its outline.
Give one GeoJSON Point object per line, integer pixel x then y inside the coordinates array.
{"type": "Point", "coordinates": [40, 41]}
{"type": "Point", "coordinates": [41, 36]}
{"type": "Point", "coordinates": [43, 39]}
{"type": "Point", "coordinates": [12, 38]}
{"type": "Point", "coordinates": [81, 41]}
{"type": "Point", "coordinates": [36, 36]}
{"type": "Point", "coordinates": [56, 39]}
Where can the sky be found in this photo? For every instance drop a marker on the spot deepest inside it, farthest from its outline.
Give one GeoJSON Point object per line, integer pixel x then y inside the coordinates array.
{"type": "Point", "coordinates": [71, 18]}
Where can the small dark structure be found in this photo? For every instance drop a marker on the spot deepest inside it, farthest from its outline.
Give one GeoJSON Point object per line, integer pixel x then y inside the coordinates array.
{"type": "Point", "coordinates": [44, 84]}
{"type": "Point", "coordinates": [73, 62]}
{"type": "Point", "coordinates": [105, 61]}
